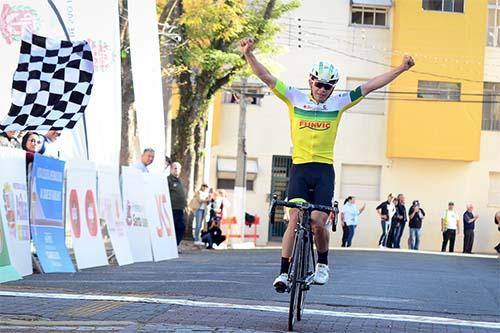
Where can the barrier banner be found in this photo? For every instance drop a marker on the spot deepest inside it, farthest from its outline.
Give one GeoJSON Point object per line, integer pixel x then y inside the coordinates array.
{"type": "Point", "coordinates": [111, 213]}
{"type": "Point", "coordinates": [134, 204]}
{"type": "Point", "coordinates": [14, 208]}
{"type": "Point", "coordinates": [160, 217]}
{"type": "Point", "coordinates": [7, 272]}
{"type": "Point", "coordinates": [81, 214]}
{"type": "Point", "coordinates": [47, 225]}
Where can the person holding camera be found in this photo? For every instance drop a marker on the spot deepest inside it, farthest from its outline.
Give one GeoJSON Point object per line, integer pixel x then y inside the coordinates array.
{"type": "Point", "coordinates": [416, 215]}
{"type": "Point", "coordinates": [213, 235]}
{"type": "Point", "coordinates": [350, 219]}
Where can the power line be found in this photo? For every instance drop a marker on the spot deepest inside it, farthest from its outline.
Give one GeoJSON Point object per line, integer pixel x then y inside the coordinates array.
{"type": "Point", "coordinates": [383, 64]}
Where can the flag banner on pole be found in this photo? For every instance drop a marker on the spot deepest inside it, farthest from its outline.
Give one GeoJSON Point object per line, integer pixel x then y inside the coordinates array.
{"type": "Point", "coordinates": [51, 86]}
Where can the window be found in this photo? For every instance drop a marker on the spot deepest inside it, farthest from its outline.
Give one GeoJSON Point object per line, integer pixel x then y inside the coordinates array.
{"type": "Point", "coordinates": [361, 181]}
{"type": "Point", "coordinates": [374, 104]}
{"type": "Point", "coordinates": [228, 184]}
{"type": "Point", "coordinates": [439, 90]}
{"type": "Point", "coordinates": [231, 96]}
{"type": "Point", "coordinates": [494, 189]}
{"type": "Point", "coordinates": [369, 16]}
{"type": "Point", "coordinates": [226, 173]}
{"type": "Point", "coordinates": [455, 6]}
{"type": "Point", "coordinates": [493, 32]}
{"type": "Point", "coordinates": [491, 107]}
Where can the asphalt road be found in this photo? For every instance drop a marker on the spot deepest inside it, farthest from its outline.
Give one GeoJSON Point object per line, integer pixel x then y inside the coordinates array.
{"type": "Point", "coordinates": [231, 291]}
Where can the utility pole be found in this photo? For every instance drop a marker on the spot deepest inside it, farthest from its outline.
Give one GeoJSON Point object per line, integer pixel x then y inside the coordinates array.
{"type": "Point", "coordinates": [240, 183]}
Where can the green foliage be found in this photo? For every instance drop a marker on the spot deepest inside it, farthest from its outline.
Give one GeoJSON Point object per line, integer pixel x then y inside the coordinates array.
{"type": "Point", "coordinates": [211, 31]}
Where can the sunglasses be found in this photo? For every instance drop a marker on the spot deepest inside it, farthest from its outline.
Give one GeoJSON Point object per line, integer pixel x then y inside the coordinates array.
{"type": "Point", "coordinates": [326, 86]}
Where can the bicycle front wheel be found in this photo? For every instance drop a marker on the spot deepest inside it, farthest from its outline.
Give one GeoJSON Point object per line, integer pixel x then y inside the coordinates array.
{"type": "Point", "coordinates": [295, 275]}
{"type": "Point", "coordinates": [304, 264]}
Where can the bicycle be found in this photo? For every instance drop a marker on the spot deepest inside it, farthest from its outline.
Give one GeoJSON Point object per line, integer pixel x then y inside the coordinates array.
{"type": "Point", "coordinates": [300, 274]}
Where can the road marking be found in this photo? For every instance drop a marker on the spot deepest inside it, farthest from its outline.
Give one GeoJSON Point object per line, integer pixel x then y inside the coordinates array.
{"type": "Point", "coordinates": [264, 308]}
{"type": "Point", "coordinates": [378, 299]}
{"type": "Point", "coordinates": [60, 328]}
{"type": "Point", "coordinates": [138, 281]}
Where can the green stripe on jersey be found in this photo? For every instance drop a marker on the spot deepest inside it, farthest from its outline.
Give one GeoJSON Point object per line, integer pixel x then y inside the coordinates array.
{"type": "Point", "coordinates": [312, 115]}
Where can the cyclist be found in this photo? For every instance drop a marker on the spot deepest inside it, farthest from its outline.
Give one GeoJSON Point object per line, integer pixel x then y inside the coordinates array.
{"type": "Point", "coordinates": [314, 119]}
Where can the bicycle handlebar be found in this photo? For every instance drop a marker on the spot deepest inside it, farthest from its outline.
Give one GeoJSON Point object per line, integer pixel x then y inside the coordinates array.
{"type": "Point", "coordinates": [302, 206]}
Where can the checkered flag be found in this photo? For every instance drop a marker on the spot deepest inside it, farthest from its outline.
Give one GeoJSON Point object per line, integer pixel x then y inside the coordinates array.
{"type": "Point", "coordinates": [51, 86]}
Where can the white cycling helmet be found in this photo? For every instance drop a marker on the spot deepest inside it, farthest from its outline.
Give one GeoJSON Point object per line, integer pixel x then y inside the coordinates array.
{"type": "Point", "coordinates": [325, 72]}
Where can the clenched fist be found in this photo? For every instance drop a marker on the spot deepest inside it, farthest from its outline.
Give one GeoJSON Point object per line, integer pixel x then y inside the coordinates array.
{"type": "Point", "coordinates": [246, 45]}
{"type": "Point", "coordinates": [408, 62]}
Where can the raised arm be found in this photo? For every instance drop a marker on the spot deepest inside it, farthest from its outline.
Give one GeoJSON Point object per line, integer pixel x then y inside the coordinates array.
{"type": "Point", "coordinates": [386, 78]}
{"type": "Point", "coordinates": [246, 47]}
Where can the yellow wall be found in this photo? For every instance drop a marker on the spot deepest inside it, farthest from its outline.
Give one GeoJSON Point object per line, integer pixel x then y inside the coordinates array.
{"type": "Point", "coordinates": [216, 119]}
{"type": "Point", "coordinates": [446, 44]}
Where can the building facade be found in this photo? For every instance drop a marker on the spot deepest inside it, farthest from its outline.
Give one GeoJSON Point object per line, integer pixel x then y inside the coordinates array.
{"type": "Point", "coordinates": [433, 134]}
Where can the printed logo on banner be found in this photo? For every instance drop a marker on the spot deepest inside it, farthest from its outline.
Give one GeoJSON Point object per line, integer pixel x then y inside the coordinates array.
{"type": "Point", "coordinates": [135, 215]}
{"type": "Point", "coordinates": [15, 19]}
{"type": "Point", "coordinates": [91, 213]}
{"type": "Point", "coordinates": [16, 210]}
{"type": "Point", "coordinates": [74, 210]}
{"type": "Point", "coordinates": [166, 225]}
{"type": "Point", "coordinates": [102, 54]}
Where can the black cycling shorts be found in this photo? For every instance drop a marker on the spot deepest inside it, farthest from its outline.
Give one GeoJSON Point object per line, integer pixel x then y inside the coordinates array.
{"type": "Point", "coordinates": [313, 182]}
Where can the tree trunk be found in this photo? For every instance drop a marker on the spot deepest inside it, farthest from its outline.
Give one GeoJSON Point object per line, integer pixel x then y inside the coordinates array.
{"type": "Point", "coordinates": [129, 145]}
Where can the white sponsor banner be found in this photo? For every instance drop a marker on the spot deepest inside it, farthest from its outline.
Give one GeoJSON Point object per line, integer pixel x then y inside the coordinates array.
{"type": "Point", "coordinates": [98, 23]}
{"type": "Point", "coordinates": [14, 208]}
{"type": "Point", "coordinates": [160, 218]}
{"type": "Point", "coordinates": [37, 17]}
{"type": "Point", "coordinates": [81, 214]}
{"type": "Point", "coordinates": [111, 213]}
{"type": "Point", "coordinates": [79, 17]}
{"type": "Point", "coordinates": [146, 70]}
{"type": "Point", "coordinates": [134, 205]}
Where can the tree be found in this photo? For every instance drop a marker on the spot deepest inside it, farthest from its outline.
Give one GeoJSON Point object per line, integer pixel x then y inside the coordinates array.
{"type": "Point", "coordinates": [208, 58]}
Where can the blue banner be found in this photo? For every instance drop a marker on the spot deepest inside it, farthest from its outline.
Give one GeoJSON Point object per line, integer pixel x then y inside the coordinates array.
{"type": "Point", "coordinates": [47, 223]}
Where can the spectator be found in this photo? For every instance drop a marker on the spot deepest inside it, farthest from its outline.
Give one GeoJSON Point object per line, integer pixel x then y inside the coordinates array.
{"type": "Point", "coordinates": [213, 235]}
{"type": "Point", "coordinates": [385, 210]}
{"type": "Point", "coordinates": [416, 216]}
{"type": "Point", "coordinates": [32, 142]}
{"type": "Point", "coordinates": [400, 219]}
{"type": "Point", "coordinates": [470, 220]}
{"type": "Point", "coordinates": [345, 229]}
{"type": "Point", "coordinates": [49, 144]}
{"type": "Point", "coordinates": [147, 157]}
{"type": "Point", "coordinates": [178, 200]}
{"type": "Point", "coordinates": [10, 139]}
{"type": "Point", "coordinates": [221, 203]}
{"type": "Point", "coordinates": [168, 163]}
{"type": "Point", "coordinates": [198, 206]}
{"type": "Point", "coordinates": [449, 227]}
{"type": "Point", "coordinates": [350, 218]}
{"type": "Point", "coordinates": [497, 222]}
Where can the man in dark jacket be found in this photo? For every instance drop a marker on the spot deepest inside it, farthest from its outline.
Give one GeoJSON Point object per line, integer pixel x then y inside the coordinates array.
{"type": "Point", "coordinates": [178, 200]}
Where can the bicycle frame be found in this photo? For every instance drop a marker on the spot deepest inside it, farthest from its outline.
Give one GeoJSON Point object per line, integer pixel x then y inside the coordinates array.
{"type": "Point", "coordinates": [300, 276]}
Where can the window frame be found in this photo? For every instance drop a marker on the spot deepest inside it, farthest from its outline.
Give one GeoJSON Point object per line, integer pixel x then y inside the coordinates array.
{"type": "Point", "coordinates": [495, 26]}
{"type": "Point", "coordinates": [250, 186]}
{"type": "Point", "coordinates": [228, 96]}
{"type": "Point", "coordinates": [421, 91]}
{"type": "Point", "coordinates": [369, 9]}
{"type": "Point", "coordinates": [443, 7]}
{"type": "Point", "coordinates": [489, 107]}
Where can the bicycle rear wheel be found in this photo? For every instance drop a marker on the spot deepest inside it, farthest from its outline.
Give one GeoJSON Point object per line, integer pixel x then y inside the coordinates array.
{"type": "Point", "coordinates": [295, 275]}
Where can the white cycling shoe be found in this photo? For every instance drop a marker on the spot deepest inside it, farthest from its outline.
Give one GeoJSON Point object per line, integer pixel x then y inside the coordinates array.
{"type": "Point", "coordinates": [281, 283]}
{"type": "Point", "coordinates": [321, 274]}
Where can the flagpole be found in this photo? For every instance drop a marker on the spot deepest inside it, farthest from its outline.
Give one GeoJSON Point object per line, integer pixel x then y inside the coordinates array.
{"type": "Point", "coordinates": [61, 21]}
